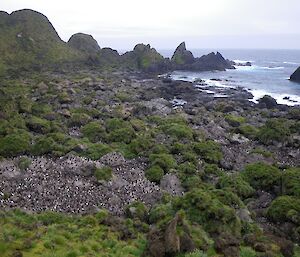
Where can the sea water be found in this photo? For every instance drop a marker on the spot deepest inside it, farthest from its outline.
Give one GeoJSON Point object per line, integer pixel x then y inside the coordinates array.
{"type": "Point", "coordinates": [268, 75]}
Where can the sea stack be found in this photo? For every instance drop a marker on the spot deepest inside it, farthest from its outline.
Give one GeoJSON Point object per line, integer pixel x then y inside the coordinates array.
{"type": "Point", "coordinates": [296, 76]}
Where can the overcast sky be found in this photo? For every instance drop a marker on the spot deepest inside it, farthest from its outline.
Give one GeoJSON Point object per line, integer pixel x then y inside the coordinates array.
{"type": "Point", "coordinates": [165, 23]}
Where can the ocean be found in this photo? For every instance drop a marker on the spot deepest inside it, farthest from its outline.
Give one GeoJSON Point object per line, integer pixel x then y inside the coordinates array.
{"type": "Point", "coordinates": [268, 75]}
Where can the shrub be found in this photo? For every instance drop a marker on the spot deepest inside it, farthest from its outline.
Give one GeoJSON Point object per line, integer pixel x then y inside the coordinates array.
{"type": "Point", "coordinates": [15, 143]}
{"type": "Point", "coordinates": [41, 109]}
{"type": "Point", "coordinates": [263, 152]}
{"type": "Point", "coordinates": [79, 119]}
{"type": "Point", "coordinates": [137, 210]}
{"type": "Point", "coordinates": [114, 124]}
{"type": "Point", "coordinates": [178, 130]}
{"type": "Point", "coordinates": [165, 161]}
{"type": "Point", "coordinates": [291, 182]}
{"type": "Point", "coordinates": [207, 210]}
{"type": "Point", "coordinates": [209, 150]}
{"type": "Point", "coordinates": [248, 131]}
{"type": "Point", "coordinates": [187, 168]}
{"type": "Point", "coordinates": [227, 197]}
{"type": "Point", "coordinates": [190, 182]}
{"type": "Point", "coordinates": [212, 169]}
{"type": "Point", "coordinates": [140, 145]}
{"type": "Point", "coordinates": [154, 173]}
{"type": "Point", "coordinates": [96, 151]}
{"type": "Point", "coordinates": [247, 252]}
{"type": "Point", "coordinates": [274, 130]}
{"type": "Point", "coordinates": [261, 176]}
{"type": "Point", "coordinates": [24, 163]}
{"type": "Point", "coordinates": [124, 135]}
{"type": "Point", "coordinates": [237, 184]}
{"type": "Point", "coordinates": [161, 213]}
{"type": "Point", "coordinates": [25, 105]}
{"type": "Point", "coordinates": [234, 121]}
{"type": "Point", "coordinates": [93, 131]}
{"type": "Point", "coordinates": [285, 208]}
{"type": "Point", "coordinates": [104, 173]}
{"type": "Point", "coordinates": [38, 125]}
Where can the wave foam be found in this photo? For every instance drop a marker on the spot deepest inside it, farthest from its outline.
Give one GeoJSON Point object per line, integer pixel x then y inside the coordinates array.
{"type": "Point", "coordinates": [280, 98]}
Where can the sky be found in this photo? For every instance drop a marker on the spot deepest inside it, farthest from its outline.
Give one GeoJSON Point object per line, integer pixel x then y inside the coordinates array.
{"type": "Point", "coordinates": [214, 24]}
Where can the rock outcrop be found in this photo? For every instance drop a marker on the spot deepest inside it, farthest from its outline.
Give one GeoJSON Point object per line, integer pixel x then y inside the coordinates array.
{"type": "Point", "coordinates": [182, 56]}
{"type": "Point", "coordinates": [84, 42]}
{"type": "Point", "coordinates": [296, 76]}
{"type": "Point", "coordinates": [167, 241]}
{"type": "Point", "coordinates": [183, 59]}
{"type": "Point", "coordinates": [145, 58]}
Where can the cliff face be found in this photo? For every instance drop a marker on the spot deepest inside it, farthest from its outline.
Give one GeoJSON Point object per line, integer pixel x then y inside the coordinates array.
{"type": "Point", "coordinates": [296, 76]}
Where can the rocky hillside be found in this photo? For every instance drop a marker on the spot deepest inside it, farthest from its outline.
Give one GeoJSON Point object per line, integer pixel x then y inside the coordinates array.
{"type": "Point", "coordinates": [28, 40]}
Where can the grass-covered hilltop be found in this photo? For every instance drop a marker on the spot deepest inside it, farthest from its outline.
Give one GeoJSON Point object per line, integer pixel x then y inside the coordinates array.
{"type": "Point", "coordinates": [100, 156]}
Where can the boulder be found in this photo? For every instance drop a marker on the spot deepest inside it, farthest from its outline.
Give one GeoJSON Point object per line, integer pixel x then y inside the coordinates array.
{"type": "Point", "coordinates": [267, 102]}
{"type": "Point", "coordinates": [182, 56]}
{"type": "Point", "coordinates": [84, 42]}
{"type": "Point", "coordinates": [296, 76]}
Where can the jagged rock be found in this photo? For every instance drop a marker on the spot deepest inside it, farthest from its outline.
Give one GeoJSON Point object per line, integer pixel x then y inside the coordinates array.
{"type": "Point", "coordinates": [182, 56]}
{"type": "Point", "coordinates": [296, 76]}
{"type": "Point", "coordinates": [156, 246]}
{"type": "Point", "coordinates": [167, 242]}
{"type": "Point", "coordinates": [171, 184]}
{"type": "Point", "coordinates": [212, 61]}
{"type": "Point", "coordinates": [172, 239]}
{"type": "Point", "coordinates": [84, 42]}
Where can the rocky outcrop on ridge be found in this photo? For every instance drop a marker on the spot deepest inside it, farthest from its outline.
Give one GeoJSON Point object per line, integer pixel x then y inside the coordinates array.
{"type": "Point", "coordinates": [84, 42]}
